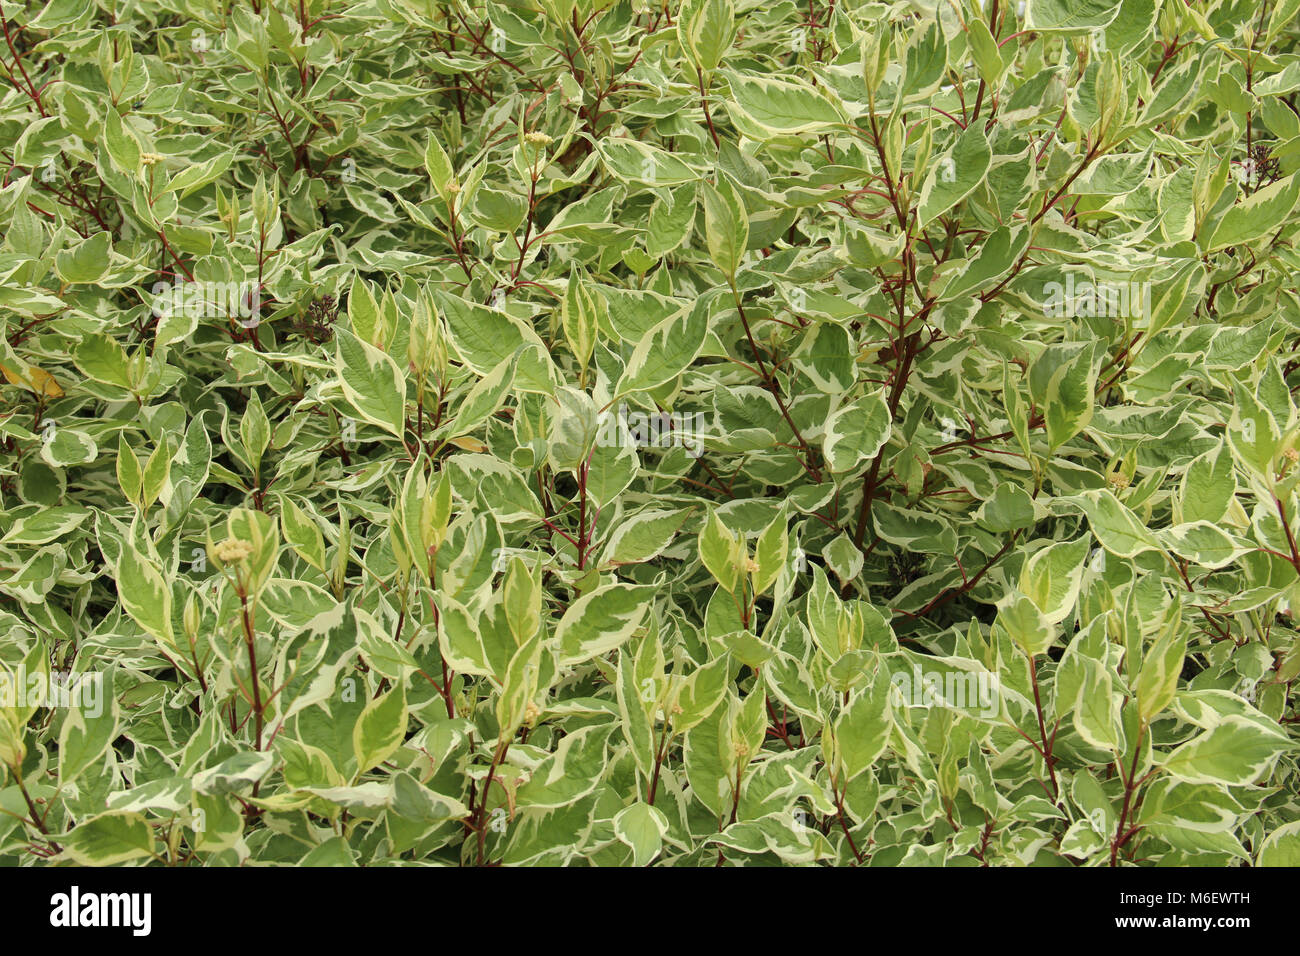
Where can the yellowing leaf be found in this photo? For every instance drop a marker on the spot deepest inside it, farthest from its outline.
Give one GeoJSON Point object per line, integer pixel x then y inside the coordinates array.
{"type": "Point", "coordinates": [467, 443]}
{"type": "Point", "coordinates": [37, 380]}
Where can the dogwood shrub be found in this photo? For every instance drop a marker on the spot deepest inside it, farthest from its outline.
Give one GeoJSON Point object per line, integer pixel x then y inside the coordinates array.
{"type": "Point", "coordinates": [715, 433]}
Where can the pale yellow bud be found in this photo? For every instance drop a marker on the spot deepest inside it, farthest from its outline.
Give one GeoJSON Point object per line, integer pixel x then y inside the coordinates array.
{"type": "Point", "coordinates": [233, 550]}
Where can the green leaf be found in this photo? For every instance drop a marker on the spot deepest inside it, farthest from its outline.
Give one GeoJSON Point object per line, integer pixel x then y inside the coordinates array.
{"type": "Point", "coordinates": [383, 654]}
{"type": "Point", "coordinates": [1051, 578]}
{"type": "Point", "coordinates": [1192, 818]}
{"type": "Point", "coordinates": [414, 801]}
{"type": "Point", "coordinates": [571, 772]}
{"type": "Point", "coordinates": [670, 223]}
{"type": "Point", "coordinates": [705, 29]}
{"type": "Point", "coordinates": [86, 262]}
{"type": "Point", "coordinates": [438, 165]}
{"type": "Point", "coordinates": [1097, 708]}
{"type": "Point", "coordinates": [254, 431]}
{"type": "Point", "coordinates": [484, 338]}
{"type": "Point", "coordinates": [372, 383]}
{"type": "Point", "coordinates": [380, 729]}
{"type": "Point", "coordinates": [87, 731]}
{"type": "Point", "coordinates": [1208, 486]}
{"type": "Point", "coordinates": [1028, 626]}
{"type": "Point", "coordinates": [914, 530]}
{"type": "Point", "coordinates": [1009, 508]}
{"type": "Point", "coordinates": [122, 144]}
{"type": "Point", "coordinates": [770, 554]}
{"type": "Point", "coordinates": [145, 594]}
{"type": "Point", "coordinates": [1281, 847]}
{"type": "Point", "coordinates": [303, 534]}
{"type": "Point", "coordinates": [862, 730]}
{"type": "Point", "coordinates": [1253, 433]}
{"type": "Point", "coordinates": [1157, 682]}
{"type": "Point", "coordinates": [827, 356]}
{"type": "Point", "coordinates": [109, 839]}
{"type": "Point", "coordinates": [1202, 543]}
{"type": "Point", "coordinates": [600, 621]}
{"type": "Point", "coordinates": [1236, 752]}
{"type": "Point", "coordinates": [985, 50]}
{"type": "Point", "coordinates": [700, 694]}
{"type": "Point", "coordinates": [666, 350]}
{"type": "Point", "coordinates": [1114, 526]}
{"type": "Point", "coordinates": [460, 637]}
{"type": "Point", "coordinates": [855, 433]}
{"type": "Point", "coordinates": [518, 686]}
{"type": "Point", "coordinates": [634, 161]}
{"type": "Point", "coordinates": [1069, 16]}
{"type": "Point", "coordinates": [643, 536]}
{"type": "Point", "coordinates": [642, 827]}
{"type": "Point", "coordinates": [69, 447]}
{"type": "Point", "coordinates": [766, 108]}
{"type": "Point", "coordinates": [955, 175]}
{"type": "Point", "coordinates": [726, 225]}
{"type": "Point", "coordinates": [1257, 215]}
{"type": "Point", "coordinates": [1063, 382]}
{"type": "Point", "coordinates": [44, 526]}
{"type": "Point", "coordinates": [130, 476]}
{"type": "Point", "coordinates": [720, 551]}
{"type": "Point", "coordinates": [103, 359]}
{"type": "Point", "coordinates": [487, 395]}
{"type": "Point", "coordinates": [235, 774]}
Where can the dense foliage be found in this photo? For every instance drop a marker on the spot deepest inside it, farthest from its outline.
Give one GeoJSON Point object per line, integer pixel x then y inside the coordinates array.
{"type": "Point", "coordinates": [734, 432]}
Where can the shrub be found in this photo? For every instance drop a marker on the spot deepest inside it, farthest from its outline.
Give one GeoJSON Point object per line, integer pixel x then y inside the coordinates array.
{"type": "Point", "coordinates": [588, 432]}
